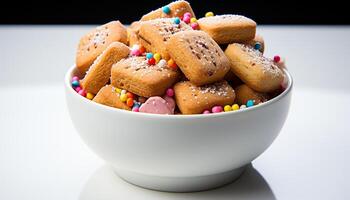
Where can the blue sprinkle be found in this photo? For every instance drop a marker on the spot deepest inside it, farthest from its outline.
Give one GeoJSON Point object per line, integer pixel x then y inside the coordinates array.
{"type": "Point", "coordinates": [257, 46]}
{"type": "Point", "coordinates": [250, 103]}
{"type": "Point", "coordinates": [177, 20]}
{"type": "Point", "coordinates": [166, 9]}
{"type": "Point", "coordinates": [75, 83]}
{"type": "Point", "coordinates": [149, 55]}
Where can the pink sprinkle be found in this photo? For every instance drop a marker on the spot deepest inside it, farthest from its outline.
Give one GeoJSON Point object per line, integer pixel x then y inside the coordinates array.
{"type": "Point", "coordinates": [135, 109]}
{"type": "Point", "coordinates": [77, 89]}
{"type": "Point", "coordinates": [82, 92]}
{"type": "Point", "coordinates": [186, 19]}
{"type": "Point", "coordinates": [187, 14]}
{"type": "Point", "coordinates": [276, 59]}
{"type": "Point", "coordinates": [216, 109]}
{"type": "Point", "coordinates": [195, 26]}
{"type": "Point", "coordinates": [170, 92]}
{"type": "Point", "coordinates": [75, 78]}
{"type": "Point", "coordinates": [206, 112]}
{"type": "Point", "coordinates": [135, 52]}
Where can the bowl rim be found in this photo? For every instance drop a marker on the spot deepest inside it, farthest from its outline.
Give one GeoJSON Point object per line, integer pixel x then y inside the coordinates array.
{"type": "Point", "coordinates": [71, 91]}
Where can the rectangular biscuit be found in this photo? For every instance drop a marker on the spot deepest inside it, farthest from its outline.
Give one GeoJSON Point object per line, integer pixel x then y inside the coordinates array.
{"type": "Point", "coordinates": [109, 97]}
{"type": "Point", "coordinates": [134, 74]}
{"type": "Point", "coordinates": [225, 29]}
{"type": "Point", "coordinates": [198, 56]}
{"type": "Point", "coordinates": [177, 9]}
{"type": "Point", "coordinates": [100, 71]}
{"type": "Point", "coordinates": [192, 99]}
{"type": "Point", "coordinates": [258, 72]}
{"type": "Point", "coordinates": [154, 34]}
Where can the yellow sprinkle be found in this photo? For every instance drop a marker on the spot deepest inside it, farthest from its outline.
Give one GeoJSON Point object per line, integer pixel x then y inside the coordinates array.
{"type": "Point", "coordinates": [209, 14]}
{"type": "Point", "coordinates": [193, 20]}
{"type": "Point", "coordinates": [156, 57]}
{"type": "Point", "coordinates": [227, 108]}
{"type": "Point", "coordinates": [123, 97]}
{"type": "Point", "coordinates": [118, 90]}
{"type": "Point", "coordinates": [235, 107]}
{"type": "Point", "coordinates": [89, 96]}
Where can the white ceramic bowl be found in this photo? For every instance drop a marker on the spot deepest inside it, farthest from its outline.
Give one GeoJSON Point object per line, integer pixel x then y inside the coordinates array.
{"type": "Point", "coordinates": [178, 153]}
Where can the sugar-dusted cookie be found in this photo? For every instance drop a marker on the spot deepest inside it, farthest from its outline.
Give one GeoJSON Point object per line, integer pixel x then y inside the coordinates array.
{"type": "Point", "coordinates": [245, 93]}
{"type": "Point", "coordinates": [258, 72]}
{"type": "Point", "coordinates": [109, 97]}
{"type": "Point", "coordinates": [95, 42]}
{"type": "Point", "coordinates": [100, 71]}
{"type": "Point", "coordinates": [225, 29]}
{"type": "Point", "coordinates": [199, 57]}
{"type": "Point", "coordinates": [257, 43]}
{"type": "Point", "coordinates": [133, 33]}
{"type": "Point", "coordinates": [174, 9]}
{"type": "Point", "coordinates": [154, 34]}
{"type": "Point", "coordinates": [137, 76]}
{"type": "Point", "coordinates": [192, 99]}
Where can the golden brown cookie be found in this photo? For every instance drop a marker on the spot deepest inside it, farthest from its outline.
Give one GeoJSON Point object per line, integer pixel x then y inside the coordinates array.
{"type": "Point", "coordinates": [192, 99]}
{"type": "Point", "coordinates": [100, 71]}
{"type": "Point", "coordinates": [177, 9]}
{"type": "Point", "coordinates": [133, 33]}
{"type": "Point", "coordinates": [137, 76]}
{"type": "Point", "coordinates": [255, 70]}
{"type": "Point", "coordinates": [109, 97]}
{"type": "Point", "coordinates": [245, 93]}
{"type": "Point", "coordinates": [225, 29]}
{"type": "Point", "coordinates": [198, 56]}
{"type": "Point", "coordinates": [154, 34]}
{"type": "Point", "coordinates": [95, 42]}
{"type": "Point", "coordinates": [257, 43]}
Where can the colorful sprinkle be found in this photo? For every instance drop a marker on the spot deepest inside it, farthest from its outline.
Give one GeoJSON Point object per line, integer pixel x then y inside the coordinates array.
{"type": "Point", "coordinates": [142, 49]}
{"type": "Point", "coordinates": [162, 62]}
{"type": "Point", "coordinates": [135, 52]}
{"type": "Point", "coordinates": [89, 96]}
{"type": "Point", "coordinates": [75, 78]}
{"type": "Point", "coordinates": [135, 109]}
{"type": "Point", "coordinates": [193, 20]}
{"type": "Point", "coordinates": [77, 89]}
{"type": "Point", "coordinates": [195, 26]}
{"type": "Point", "coordinates": [151, 61]}
{"type": "Point", "coordinates": [130, 102]}
{"type": "Point", "coordinates": [227, 108]}
{"type": "Point", "coordinates": [123, 92]}
{"type": "Point", "coordinates": [216, 109]}
{"type": "Point", "coordinates": [118, 90]}
{"type": "Point", "coordinates": [206, 112]}
{"type": "Point", "coordinates": [250, 103]}
{"type": "Point", "coordinates": [130, 95]}
{"type": "Point", "coordinates": [177, 20]}
{"type": "Point", "coordinates": [243, 106]}
{"type": "Point", "coordinates": [172, 64]}
{"type": "Point", "coordinates": [276, 59]}
{"type": "Point", "coordinates": [166, 9]}
{"type": "Point", "coordinates": [186, 19]}
{"type": "Point", "coordinates": [257, 46]}
{"type": "Point", "coordinates": [188, 14]}
{"type": "Point", "coordinates": [157, 57]}
{"type": "Point", "coordinates": [75, 83]}
{"type": "Point", "coordinates": [209, 14]}
{"type": "Point", "coordinates": [235, 107]}
{"type": "Point", "coordinates": [170, 92]}
{"type": "Point", "coordinates": [123, 97]}
{"type": "Point", "coordinates": [149, 55]}
{"type": "Point", "coordinates": [82, 92]}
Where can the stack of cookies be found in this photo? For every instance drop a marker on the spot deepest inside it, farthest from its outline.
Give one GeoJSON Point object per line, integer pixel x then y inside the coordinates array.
{"type": "Point", "coordinates": [169, 62]}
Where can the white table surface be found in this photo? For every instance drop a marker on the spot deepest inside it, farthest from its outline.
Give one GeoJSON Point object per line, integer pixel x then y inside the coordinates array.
{"type": "Point", "coordinates": [42, 156]}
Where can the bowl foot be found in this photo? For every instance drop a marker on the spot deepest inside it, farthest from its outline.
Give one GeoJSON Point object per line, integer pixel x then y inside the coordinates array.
{"type": "Point", "coordinates": [180, 184]}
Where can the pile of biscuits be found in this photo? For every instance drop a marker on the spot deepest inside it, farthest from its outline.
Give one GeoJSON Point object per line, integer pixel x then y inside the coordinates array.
{"type": "Point", "coordinates": [169, 62]}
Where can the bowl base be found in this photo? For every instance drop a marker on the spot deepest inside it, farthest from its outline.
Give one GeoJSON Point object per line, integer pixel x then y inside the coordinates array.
{"type": "Point", "coordinates": [180, 184]}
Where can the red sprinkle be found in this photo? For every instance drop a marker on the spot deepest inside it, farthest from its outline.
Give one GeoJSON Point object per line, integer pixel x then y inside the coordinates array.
{"type": "Point", "coordinates": [130, 95]}
{"type": "Point", "coordinates": [142, 49]}
{"type": "Point", "coordinates": [151, 61]}
{"type": "Point", "coordinates": [276, 59]}
{"type": "Point", "coordinates": [130, 102]}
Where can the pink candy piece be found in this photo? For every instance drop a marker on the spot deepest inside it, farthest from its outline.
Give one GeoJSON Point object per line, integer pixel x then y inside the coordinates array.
{"type": "Point", "coordinates": [75, 78]}
{"type": "Point", "coordinates": [136, 52]}
{"type": "Point", "coordinates": [186, 19]}
{"type": "Point", "coordinates": [206, 112]}
{"type": "Point", "coordinates": [135, 109]}
{"type": "Point", "coordinates": [82, 92]}
{"type": "Point", "coordinates": [195, 26]}
{"type": "Point", "coordinates": [170, 102]}
{"type": "Point", "coordinates": [188, 14]}
{"type": "Point", "coordinates": [170, 92]}
{"type": "Point", "coordinates": [156, 105]}
{"type": "Point", "coordinates": [216, 109]}
{"type": "Point", "coordinates": [77, 89]}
